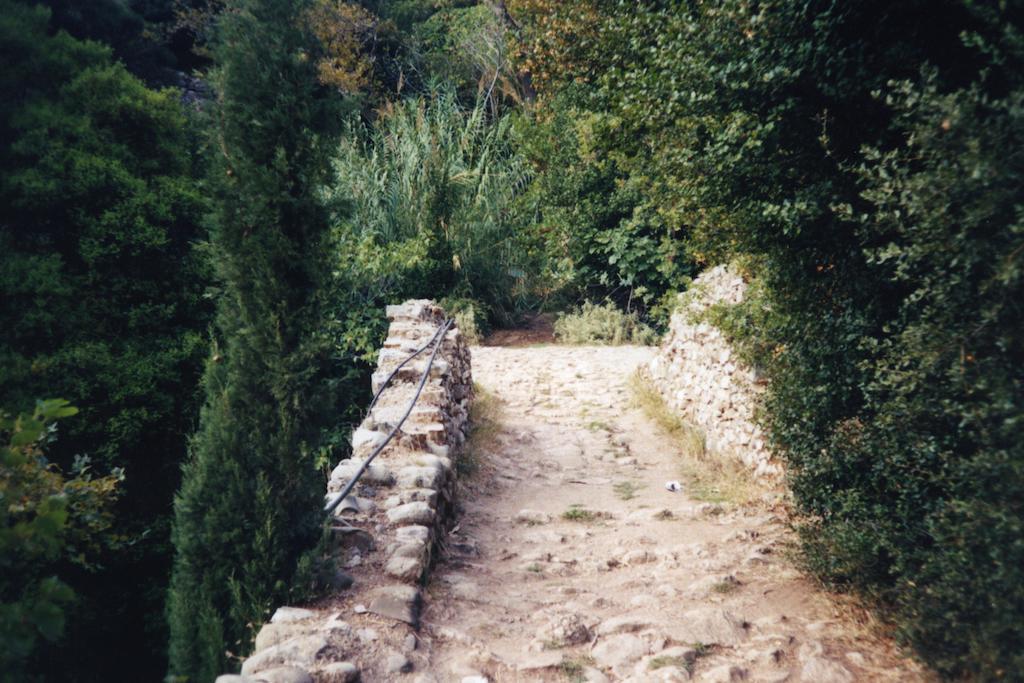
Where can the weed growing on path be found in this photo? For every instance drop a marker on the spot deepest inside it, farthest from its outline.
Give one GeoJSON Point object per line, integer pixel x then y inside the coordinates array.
{"type": "Point", "coordinates": [578, 513]}
{"type": "Point", "coordinates": [662, 662]}
{"type": "Point", "coordinates": [603, 324]}
{"type": "Point", "coordinates": [702, 649]}
{"type": "Point", "coordinates": [573, 668]}
{"type": "Point", "coordinates": [626, 490]}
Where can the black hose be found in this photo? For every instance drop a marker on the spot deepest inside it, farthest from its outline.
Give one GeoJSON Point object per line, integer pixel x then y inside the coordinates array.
{"type": "Point", "coordinates": [439, 337]}
{"type": "Point", "coordinates": [398, 367]}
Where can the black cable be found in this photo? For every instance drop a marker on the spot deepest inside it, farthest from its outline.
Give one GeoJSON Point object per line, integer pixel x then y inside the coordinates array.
{"type": "Point", "coordinates": [439, 336]}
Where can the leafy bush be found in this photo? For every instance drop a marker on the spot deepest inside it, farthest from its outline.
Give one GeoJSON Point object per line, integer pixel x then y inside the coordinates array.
{"type": "Point", "coordinates": [892, 336]}
{"type": "Point", "coordinates": [602, 324]}
{"type": "Point", "coordinates": [48, 522]}
{"type": "Point", "coordinates": [943, 383]}
{"type": "Point", "coordinates": [469, 316]}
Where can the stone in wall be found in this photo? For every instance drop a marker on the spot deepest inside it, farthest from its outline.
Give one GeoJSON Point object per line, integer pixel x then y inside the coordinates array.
{"type": "Point", "coordinates": [386, 532]}
{"type": "Point", "coordinates": [701, 378]}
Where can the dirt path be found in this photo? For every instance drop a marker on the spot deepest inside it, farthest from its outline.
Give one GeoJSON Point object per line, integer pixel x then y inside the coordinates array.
{"type": "Point", "coordinates": [571, 560]}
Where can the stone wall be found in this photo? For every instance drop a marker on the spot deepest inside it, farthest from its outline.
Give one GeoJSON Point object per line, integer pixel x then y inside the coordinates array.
{"type": "Point", "coordinates": [386, 532]}
{"type": "Point", "coordinates": [699, 376]}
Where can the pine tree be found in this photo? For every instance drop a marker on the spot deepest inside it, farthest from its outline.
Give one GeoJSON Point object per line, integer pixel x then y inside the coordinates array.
{"type": "Point", "coordinates": [250, 498]}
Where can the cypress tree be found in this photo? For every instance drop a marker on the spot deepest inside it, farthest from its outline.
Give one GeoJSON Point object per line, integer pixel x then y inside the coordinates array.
{"type": "Point", "coordinates": [250, 498]}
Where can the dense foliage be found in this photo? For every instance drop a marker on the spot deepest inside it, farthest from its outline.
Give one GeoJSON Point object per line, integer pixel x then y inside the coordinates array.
{"type": "Point", "coordinates": [867, 156]}
{"type": "Point", "coordinates": [597, 211]}
{"type": "Point", "coordinates": [250, 500]}
{"type": "Point", "coordinates": [47, 521]}
{"type": "Point", "coordinates": [432, 189]}
{"type": "Point", "coordinates": [101, 304]}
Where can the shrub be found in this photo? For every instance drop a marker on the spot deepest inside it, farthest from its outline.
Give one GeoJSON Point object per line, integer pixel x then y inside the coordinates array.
{"type": "Point", "coordinates": [891, 337]}
{"type": "Point", "coordinates": [602, 324]}
{"type": "Point", "coordinates": [469, 316]}
{"type": "Point", "coordinates": [49, 523]}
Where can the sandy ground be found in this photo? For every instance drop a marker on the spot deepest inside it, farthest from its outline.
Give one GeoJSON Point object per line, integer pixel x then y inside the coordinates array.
{"type": "Point", "coordinates": [571, 561]}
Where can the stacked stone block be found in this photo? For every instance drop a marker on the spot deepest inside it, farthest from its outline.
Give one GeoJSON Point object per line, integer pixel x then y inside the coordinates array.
{"type": "Point", "coordinates": [386, 531]}
{"type": "Point", "coordinates": [701, 378]}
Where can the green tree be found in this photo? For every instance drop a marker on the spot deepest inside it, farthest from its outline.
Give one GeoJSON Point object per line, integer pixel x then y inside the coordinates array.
{"type": "Point", "coordinates": [251, 496]}
{"type": "Point", "coordinates": [468, 48]}
{"type": "Point", "coordinates": [605, 206]}
{"type": "Point", "coordinates": [101, 302]}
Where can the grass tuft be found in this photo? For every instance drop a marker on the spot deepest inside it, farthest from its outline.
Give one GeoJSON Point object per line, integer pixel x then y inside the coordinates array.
{"type": "Point", "coordinates": [573, 668]}
{"type": "Point", "coordinates": [662, 662]}
{"type": "Point", "coordinates": [485, 413]}
{"type": "Point", "coordinates": [578, 513]}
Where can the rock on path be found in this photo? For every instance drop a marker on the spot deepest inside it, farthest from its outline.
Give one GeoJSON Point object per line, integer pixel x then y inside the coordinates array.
{"type": "Point", "coordinates": [572, 562]}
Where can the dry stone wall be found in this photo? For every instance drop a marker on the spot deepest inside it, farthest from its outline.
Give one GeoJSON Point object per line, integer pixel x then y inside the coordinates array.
{"type": "Point", "coordinates": [386, 532]}
{"type": "Point", "coordinates": [701, 378]}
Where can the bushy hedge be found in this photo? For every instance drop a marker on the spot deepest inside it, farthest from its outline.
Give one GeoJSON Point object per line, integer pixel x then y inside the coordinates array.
{"type": "Point", "coordinates": [868, 155]}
